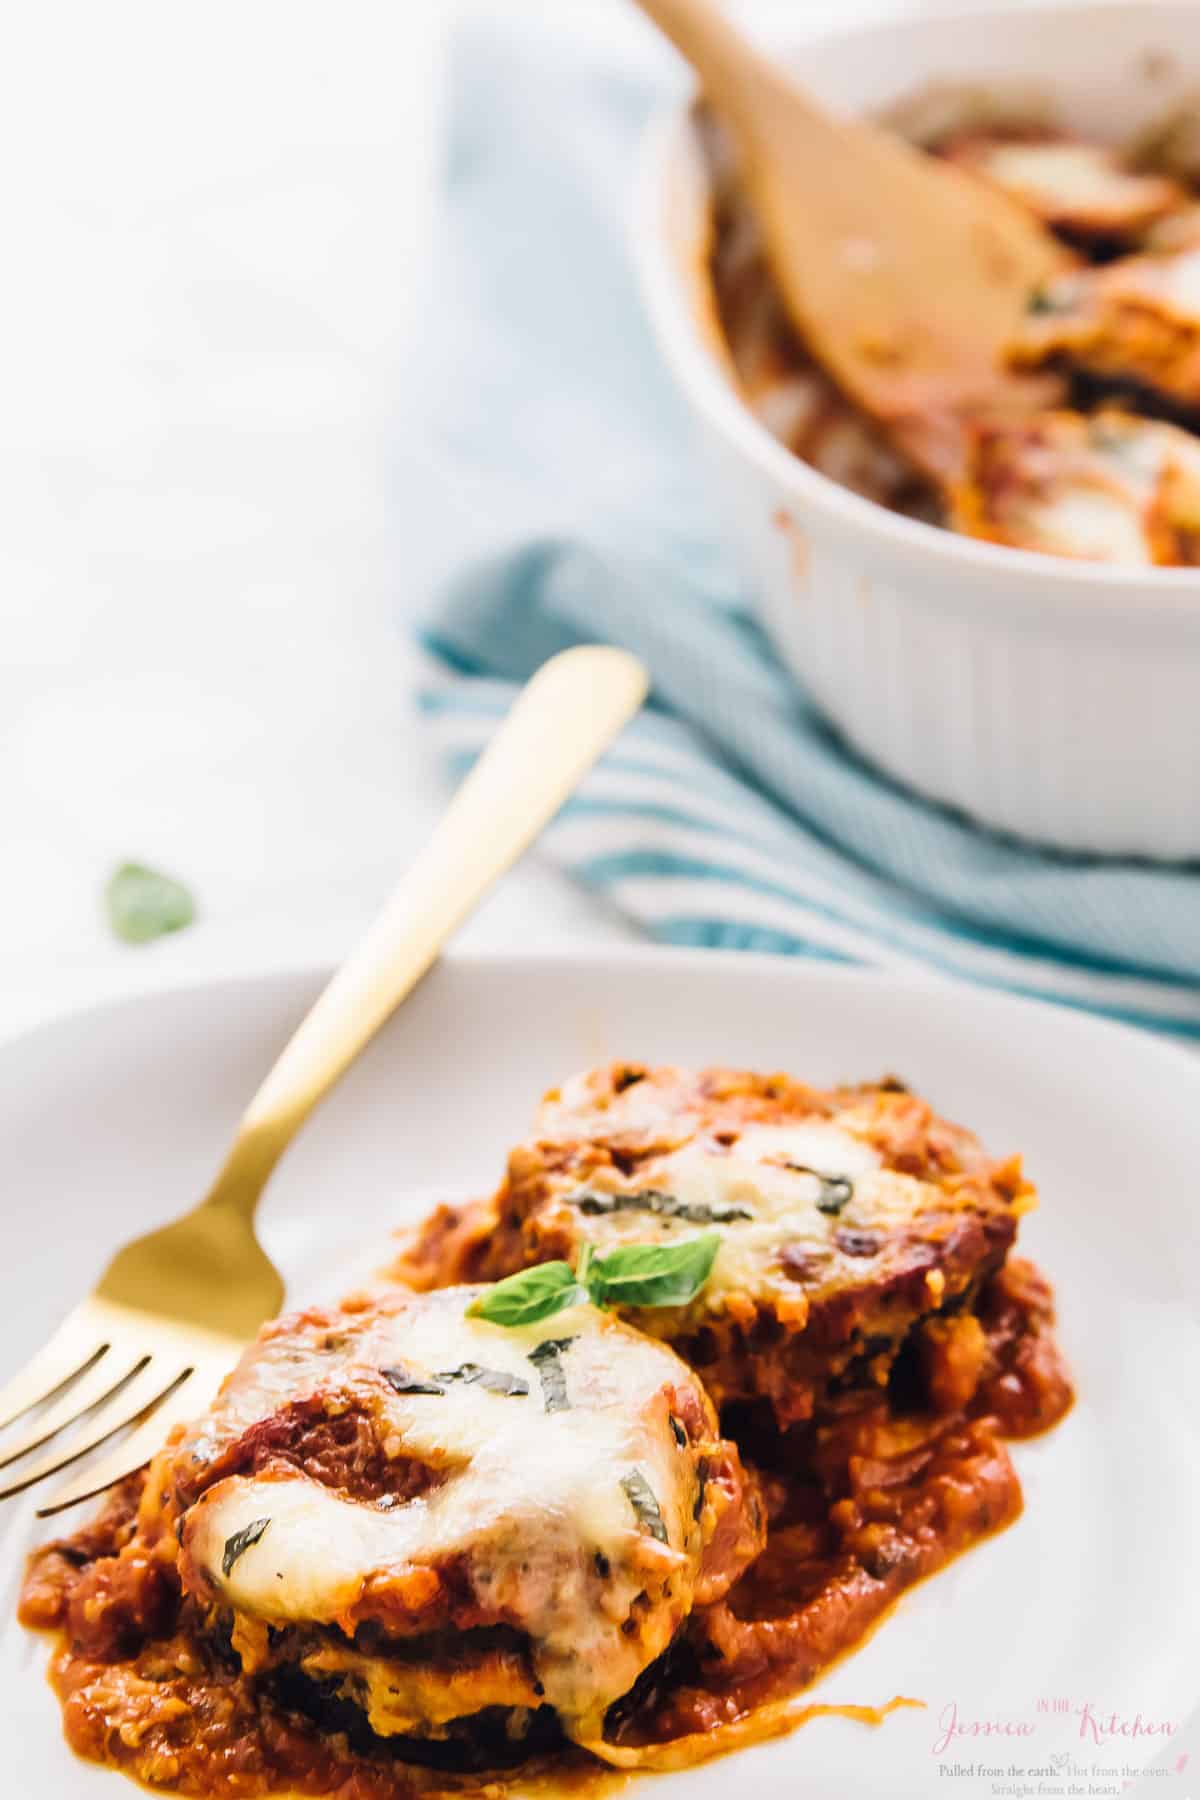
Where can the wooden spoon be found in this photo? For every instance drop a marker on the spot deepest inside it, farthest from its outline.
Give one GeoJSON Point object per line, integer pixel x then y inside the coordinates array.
{"type": "Point", "coordinates": [904, 275]}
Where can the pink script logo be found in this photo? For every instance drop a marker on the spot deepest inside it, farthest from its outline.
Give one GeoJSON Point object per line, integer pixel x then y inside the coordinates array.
{"type": "Point", "coordinates": [1102, 1727]}
{"type": "Point", "coordinates": [951, 1728]}
{"type": "Point", "coordinates": [1096, 1725]}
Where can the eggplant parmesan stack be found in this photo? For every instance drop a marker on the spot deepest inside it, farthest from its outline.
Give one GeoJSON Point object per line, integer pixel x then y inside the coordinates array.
{"type": "Point", "coordinates": [1087, 192]}
{"type": "Point", "coordinates": [474, 1521]}
{"type": "Point", "coordinates": [438, 1540]}
{"type": "Point", "coordinates": [865, 1330]}
{"type": "Point", "coordinates": [1105, 485]}
{"type": "Point", "coordinates": [847, 1218]}
{"type": "Point", "coordinates": [1129, 328]}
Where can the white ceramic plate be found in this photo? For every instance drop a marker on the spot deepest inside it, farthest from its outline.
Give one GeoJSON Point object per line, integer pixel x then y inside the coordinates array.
{"type": "Point", "coordinates": [111, 1120]}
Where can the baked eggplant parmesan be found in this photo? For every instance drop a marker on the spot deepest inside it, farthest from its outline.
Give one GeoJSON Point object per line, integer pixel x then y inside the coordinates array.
{"type": "Point", "coordinates": [865, 1328]}
{"type": "Point", "coordinates": [1130, 327]}
{"type": "Point", "coordinates": [1085, 191]}
{"type": "Point", "coordinates": [471, 1521]}
{"type": "Point", "coordinates": [1104, 487]}
{"type": "Point", "coordinates": [844, 1216]}
{"type": "Point", "coordinates": [464, 1541]}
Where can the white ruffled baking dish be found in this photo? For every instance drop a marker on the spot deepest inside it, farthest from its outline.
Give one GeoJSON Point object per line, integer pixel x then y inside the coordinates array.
{"type": "Point", "coordinates": [1052, 699]}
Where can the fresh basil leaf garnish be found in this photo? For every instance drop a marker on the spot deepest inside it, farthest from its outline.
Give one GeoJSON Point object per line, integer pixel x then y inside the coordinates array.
{"type": "Point", "coordinates": [697, 1212]}
{"type": "Point", "coordinates": [529, 1296]}
{"type": "Point", "coordinates": [240, 1542]}
{"type": "Point", "coordinates": [836, 1192]}
{"type": "Point", "coordinates": [143, 904]}
{"type": "Point", "coordinates": [494, 1381]}
{"type": "Point", "coordinates": [546, 1358]}
{"type": "Point", "coordinates": [653, 1274]}
{"type": "Point", "coordinates": [662, 1206]}
{"type": "Point", "coordinates": [405, 1382]}
{"type": "Point", "coordinates": [641, 1497]}
{"type": "Point", "coordinates": [630, 1275]}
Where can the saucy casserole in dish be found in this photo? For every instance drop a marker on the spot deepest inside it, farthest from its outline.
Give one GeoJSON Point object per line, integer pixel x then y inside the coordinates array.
{"type": "Point", "coordinates": [1115, 339]}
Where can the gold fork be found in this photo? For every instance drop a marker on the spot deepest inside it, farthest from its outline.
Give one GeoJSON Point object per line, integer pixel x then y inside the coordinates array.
{"type": "Point", "coordinates": [174, 1308]}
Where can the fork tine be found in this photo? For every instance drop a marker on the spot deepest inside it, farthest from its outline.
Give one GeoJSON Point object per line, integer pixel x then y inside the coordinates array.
{"type": "Point", "coordinates": [99, 1382]}
{"type": "Point", "coordinates": [143, 1391]}
{"type": "Point", "coordinates": [133, 1452]}
{"type": "Point", "coordinates": [72, 1350]}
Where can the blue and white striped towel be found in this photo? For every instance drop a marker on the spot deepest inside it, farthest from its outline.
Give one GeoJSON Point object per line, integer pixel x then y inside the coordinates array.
{"type": "Point", "coordinates": [549, 486]}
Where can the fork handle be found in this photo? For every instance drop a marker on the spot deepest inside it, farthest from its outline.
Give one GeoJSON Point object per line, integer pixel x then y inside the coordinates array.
{"type": "Point", "coordinates": [560, 723]}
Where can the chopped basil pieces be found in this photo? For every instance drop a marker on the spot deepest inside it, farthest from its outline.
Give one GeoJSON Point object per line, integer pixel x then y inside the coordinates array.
{"type": "Point", "coordinates": [1059, 297]}
{"type": "Point", "coordinates": [680, 1435]}
{"type": "Point", "coordinates": [546, 1358]}
{"type": "Point", "coordinates": [836, 1190]}
{"type": "Point", "coordinates": [404, 1382]}
{"type": "Point", "coordinates": [240, 1542]}
{"type": "Point", "coordinates": [641, 1497]}
{"type": "Point", "coordinates": [663, 1206]}
{"type": "Point", "coordinates": [495, 1381]}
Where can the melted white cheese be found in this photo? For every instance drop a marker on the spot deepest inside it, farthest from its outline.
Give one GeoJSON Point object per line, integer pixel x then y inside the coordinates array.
{"type": "Point", "coordinates": [1170, 281]}
{"type": "Point", "coordinates": [1090, 487]}
{"type": "Point", "coordinates": [1072, 178]}
{"type": "Point", "coordinates": [530, 1498]}
{"type": "Point", "coordinates": [1086, 521]}
{"type": "Point", "coordinates": [753, 1176]}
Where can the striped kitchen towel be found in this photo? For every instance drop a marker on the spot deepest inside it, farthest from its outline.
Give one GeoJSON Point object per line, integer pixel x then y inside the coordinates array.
{"type": "Point", "coordinates": [549, 496]}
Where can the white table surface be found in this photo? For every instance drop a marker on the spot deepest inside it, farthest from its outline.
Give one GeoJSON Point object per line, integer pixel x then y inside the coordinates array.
{"type": "Point", "coordinates": [214, 245]}
{"type": "Point", "coordinates": [215, 230]}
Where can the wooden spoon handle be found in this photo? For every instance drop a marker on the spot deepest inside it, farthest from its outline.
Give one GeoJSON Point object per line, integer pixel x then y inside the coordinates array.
{"type": "Point", "coordinates": [735, 74]}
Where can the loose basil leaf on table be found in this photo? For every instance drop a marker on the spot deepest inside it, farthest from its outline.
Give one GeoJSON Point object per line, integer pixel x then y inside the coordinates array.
{"type": "Point", "coordinates": [144, 904]}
